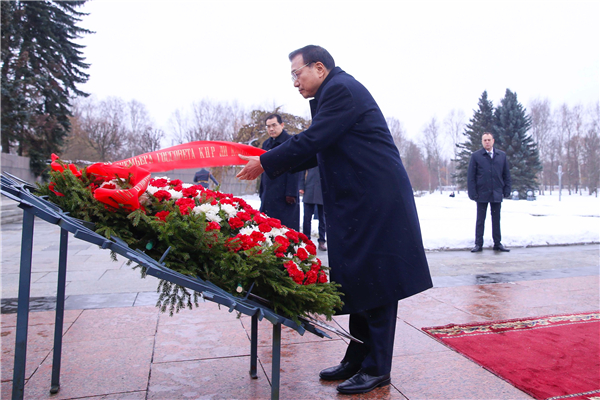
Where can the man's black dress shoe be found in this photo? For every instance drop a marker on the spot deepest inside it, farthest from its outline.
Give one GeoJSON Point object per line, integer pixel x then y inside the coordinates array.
{"type": "Point", "coordinates": [476, 249]}
{"type": "Point", "coordinates": [344, 370]}
{"type": "Point", "coordinates": [363, 383]}
{"type": "Point", "coordinates": [500, 247]}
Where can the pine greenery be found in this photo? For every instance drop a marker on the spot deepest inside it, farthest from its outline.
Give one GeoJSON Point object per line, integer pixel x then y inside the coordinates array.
{"type": "Point", "coordinates": [482, 121]}
{"type": "Point", "coordinates": [194, 251]}
{"type": "Point", "coordinates": [41, 68]}
{"type": "Point", "coordinates": [511, 126]}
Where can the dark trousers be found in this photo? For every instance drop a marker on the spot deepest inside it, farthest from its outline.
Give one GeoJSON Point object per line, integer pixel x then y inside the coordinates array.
{"type": "Point", "coordinates": [309, 210]}
{"type": "Point", "coordinates": [481, 213]}
{"type": "Point", "coordinates": [376, 329]}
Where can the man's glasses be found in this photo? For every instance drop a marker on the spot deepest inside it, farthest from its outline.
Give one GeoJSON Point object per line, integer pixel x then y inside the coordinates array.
{"type": "Point", "coordinates": [294, 75]}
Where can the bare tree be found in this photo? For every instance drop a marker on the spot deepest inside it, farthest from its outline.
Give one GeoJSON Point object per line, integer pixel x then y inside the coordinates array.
{"type": "Point", "coordinates": [101, 126]}
{"type": "Point", "coordinates": [398, 134]}
{"type": "Point", "coordinates": [208, 120]}
{"type": "Point", "coordinates": [432, 143]}
{"type": "Point", "coordinates": [142, 137]}
{"type": "Point", "coordinates": [591, 150]}
{"type": "Point", "coordinates": [541, 131]}
{"type": "Point", "coordinates": [455, 125]}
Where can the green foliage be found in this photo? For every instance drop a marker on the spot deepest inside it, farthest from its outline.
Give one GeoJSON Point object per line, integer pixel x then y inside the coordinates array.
{"type": "Point", "coordinates": [194, 251]}
{"type": "Point", "coordinates": [41, 68]}
{"type": "Point", "coordinates": [482, 122]}
{"type": "Point", "coordinates": [511, 126]}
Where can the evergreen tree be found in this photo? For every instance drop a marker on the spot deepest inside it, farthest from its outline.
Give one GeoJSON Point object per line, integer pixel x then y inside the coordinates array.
{"type": "Point", "coordinates": [41, 68]}
{"type": "Point", "coordinates": [511, 125]}
{"type": "Point", "coordinates": [482, 122]}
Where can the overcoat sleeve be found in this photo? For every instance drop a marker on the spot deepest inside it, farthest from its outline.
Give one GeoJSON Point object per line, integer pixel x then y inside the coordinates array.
{"type": "Point", "coordinates": [472, 178]}
{"type": "Point", "coordinates": [506, 178]}
{"type": "Point", "coordinates": [336, 115]}
{"type": "Point", "coordinates": [291, 185]}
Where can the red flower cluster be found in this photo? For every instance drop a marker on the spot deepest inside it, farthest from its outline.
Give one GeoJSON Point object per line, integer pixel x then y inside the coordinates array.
{"type": "Point", "coordinates": [283, 246]}
{"type": "Point", "coordinates": [295, 273]}
{"type": "Point", "coordinates": [185, 205]}
{"type": "Point", "coordinates": [162, 215]}
{"type": "Point", "coordinates": [245, 242]}
{"type": "Point", "coordinates": [213, 226]}
{"type": "Point", "coordinates": [162, 195]}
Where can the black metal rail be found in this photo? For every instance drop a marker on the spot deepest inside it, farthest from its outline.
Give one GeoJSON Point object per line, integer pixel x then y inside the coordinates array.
{"type": "Point", "coordinates": [34, 206]}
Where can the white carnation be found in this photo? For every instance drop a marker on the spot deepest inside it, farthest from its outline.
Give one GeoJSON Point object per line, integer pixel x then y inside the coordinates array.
{"type": "Point", "coordinates": [230, 210]}
{"type": "Point", "coordinates": [175, 194]}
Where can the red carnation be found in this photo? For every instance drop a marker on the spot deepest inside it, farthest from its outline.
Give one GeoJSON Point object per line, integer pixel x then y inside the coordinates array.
{"type": "Point", "coordinates": [176, 182]}
{"type": "Point", "coordinates": [274, 222]}
{"type": "Point", "coordinates": [264, 227]}
{"type": "Point", "coordinates": [244, 216]}
{"type": "Point", "coordinates": [158, 182]}
{"type": "Point", "coordinates": [213, 226]}
{"type": "Point", "coordinates": [185, 204]}
{"type": "Point", "coordinates": [257, 236]}
{"type": "Point", "coordinates": [162, 215]}
{"type": "Point", "coordinates": [292, 236]}
{"type": "Point", "coordinates": [302, 254]}
{"type": "Point", "coordinates": [283, 244]}
{"type": "Point", "coordinates": [322, 277]}
{"type": "Point", "coordinates": [259, 219]}
{"type": "Point", "coordinates": [311, 248]}
{"type": "Point", "coordinates": [311, 277]}
{"type": "Point", "coordinates": [303, 237]}
{"type": "Point", "coordinates": [162, 195]}
{"type": "Point", "coordinates": [178, 188]}
{"type": "Point", "coordinates": [190, 192]}
{"type": "Point", "coordinates": [235, 223]}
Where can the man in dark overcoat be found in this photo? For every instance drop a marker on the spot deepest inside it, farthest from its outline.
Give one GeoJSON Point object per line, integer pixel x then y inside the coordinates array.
{"type": "Point", "coordinates": [279, 197]}
{"type": "Point", "coordinates": [375, 248]}
{"type": "Point", "coordinates": [310, 189]}
{"type": "Point", "coordinates": [488, 180]}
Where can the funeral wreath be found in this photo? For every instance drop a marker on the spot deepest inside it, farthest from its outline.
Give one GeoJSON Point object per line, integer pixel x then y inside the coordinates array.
{"type": "Point", "coordinates": [215, 236]}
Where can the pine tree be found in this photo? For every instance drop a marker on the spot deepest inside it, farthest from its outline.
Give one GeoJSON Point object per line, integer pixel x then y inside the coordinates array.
{"type": "Point", "coordinates": [511, 126]}
{"type": "Point", "coordinates": [482, 122]}
{"type": "Point", "coordinates": [41, 68]}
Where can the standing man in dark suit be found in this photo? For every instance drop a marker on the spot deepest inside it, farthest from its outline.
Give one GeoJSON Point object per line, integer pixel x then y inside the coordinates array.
{"type": "Point", "coordinates": [279, 195]}
{"type": "Point", "coordinates": [375, 248]}
{"type": "Point", "coordinates": [310, 189]}
{"type": "Point", "coordinates": [488, 180]}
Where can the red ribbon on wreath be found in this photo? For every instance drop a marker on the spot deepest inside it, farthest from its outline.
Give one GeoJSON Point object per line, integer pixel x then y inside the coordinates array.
{"type": "Point", "coordinates": [189, 155]}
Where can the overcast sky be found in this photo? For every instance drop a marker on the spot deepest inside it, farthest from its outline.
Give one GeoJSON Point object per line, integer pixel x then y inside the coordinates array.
{"type": "Point", "coordinates": [419, 59]}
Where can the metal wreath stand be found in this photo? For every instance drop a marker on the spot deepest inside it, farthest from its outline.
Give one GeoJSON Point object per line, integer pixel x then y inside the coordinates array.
{"type": "Point", "coordinates": [34, 206]}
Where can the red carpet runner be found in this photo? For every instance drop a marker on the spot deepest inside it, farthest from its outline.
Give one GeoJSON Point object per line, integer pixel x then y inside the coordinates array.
{"type": "Point", "coordinates": [553, 357]}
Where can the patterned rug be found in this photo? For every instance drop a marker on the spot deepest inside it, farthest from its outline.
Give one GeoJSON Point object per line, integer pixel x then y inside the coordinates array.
{"type": "Point", "coordinates": [551, 358]}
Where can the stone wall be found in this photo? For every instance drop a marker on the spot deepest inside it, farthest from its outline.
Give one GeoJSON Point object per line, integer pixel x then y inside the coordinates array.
{"type": "Point", "coordinates": [224, 175]}
{"type": "Point", "coordinates": [17, 166]}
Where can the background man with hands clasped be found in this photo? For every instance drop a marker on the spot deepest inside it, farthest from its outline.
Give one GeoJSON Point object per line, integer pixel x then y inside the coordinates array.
{"type": "Point", "coordinates": [488, 180]}
{"type": "Point", "coordinates": [375, 248]}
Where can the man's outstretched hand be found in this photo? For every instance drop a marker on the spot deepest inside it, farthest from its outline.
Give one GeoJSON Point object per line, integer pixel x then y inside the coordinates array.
{"type": "Point", "coordinates": [252, 170]}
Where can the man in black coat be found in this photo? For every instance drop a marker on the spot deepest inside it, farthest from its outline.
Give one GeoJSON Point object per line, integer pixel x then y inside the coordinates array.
{"type": "Point", "coordinates": [279, 195]}
{"type": "Point", "coordinates": [375, 248]}
{"type": "Point", "coordinates": [488, 180]}
{"type": "Point", "coordinates": [310, 189]}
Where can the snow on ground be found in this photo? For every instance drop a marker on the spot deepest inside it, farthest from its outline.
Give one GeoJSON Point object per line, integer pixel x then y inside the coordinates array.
{"type": "Point", "coordinates": [449, 222]}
